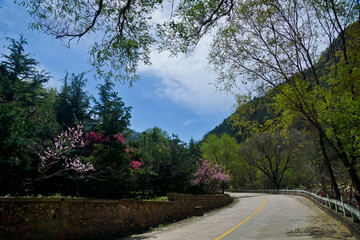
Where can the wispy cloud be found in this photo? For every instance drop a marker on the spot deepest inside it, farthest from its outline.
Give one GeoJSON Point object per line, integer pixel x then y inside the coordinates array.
{"type": "Point", "coordinates": [186, 81]}
{"type": "Point", "coordinates": [189, 122]}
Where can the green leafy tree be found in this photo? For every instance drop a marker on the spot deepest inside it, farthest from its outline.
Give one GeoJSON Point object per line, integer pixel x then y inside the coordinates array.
{"type": "Point", "coordinates": [170, 161]}
{"type": "Point", "coordinates": [181, 165]}
{"type": "Point", "coordinates": [125, 28]}
{"type": "Point", "coordinates": [110, 110]}
{"type": "Point", "coordinates": [21, 78]}
{"type": "Point", "coordinates": [72, 103]}
{"type": "Point", "coordinates": [16, 157]}
{"type": "Point", "coordinates": [211, 149]}
{"type": "Point", "coordinates": [225, 150]}
{"type": "Point", "coordinates": [243, 175]}
{"type": "Point", "coordinates": [27, 119]}
{"type": "Point", "coordinates": [230, 149]}
{"type": "Point", "coordinates": [128, 29]}
{"type": "Point", "coordinates": [107, 148]}
{"type": "Point", "coordinates": [270, 154]}
{"type": "Point", "coordinates": [221, 150]}
{"type": "Point", "coordinates": [155, 150]}
{"type": "Point", "coordinates": [194, 149]}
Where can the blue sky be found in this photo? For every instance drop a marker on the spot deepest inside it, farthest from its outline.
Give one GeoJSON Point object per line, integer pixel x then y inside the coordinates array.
{"type": "Point", "coordinates": [173, 94]}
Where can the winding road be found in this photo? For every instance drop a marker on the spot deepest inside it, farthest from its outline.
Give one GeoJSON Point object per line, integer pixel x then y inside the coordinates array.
{"type": "Point", "coordinates": [256, 216]}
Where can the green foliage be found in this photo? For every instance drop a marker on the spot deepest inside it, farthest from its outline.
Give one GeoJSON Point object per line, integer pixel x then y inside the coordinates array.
{"type": "Point", "coordinates": [110, 158]}
{"type": "Point", "coordinates": [225, 150]}
{"type": "Point", "coordinates": [211, 148]}
{"type": "Point", "coordinates": [265, 43]}
{"type": "Point", "coordinates": [225, 127]}
{"type": "Point", "coordinates": [110, 110]}
{"type": "Point", "coordinates": [26, 117]}
{"type": "Point", "coordinates": [21, 79]}
{"type": "Point", "coordinates": [31, 146]}
{"type": "Point", "coordinates": [271, 154]}
{"type": "Point", "coordinates": [192, 20]}
{"type": "Point", "coordinates": [157, 198]}
{"type": "Point", "coordinates": [125, 28]}
{"type": "Point", "coordinates": [72, 102]}
{"type": "Point", "coordinates": [171, 163]}
{"type": "Point", "coordinates": [15, 144]}
{"type": "Point", "coordinates": [221, 150]}
{"type": "Point", "coordinates": [252, 115]}
{"type": "Point", "coordinates": [19, 64]}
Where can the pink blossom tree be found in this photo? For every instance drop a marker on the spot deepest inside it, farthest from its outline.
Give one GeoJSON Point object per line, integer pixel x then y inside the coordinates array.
{"type": "Point", "coordinates": [109, 155]}
{"type": "Point", "coordinates": [74, 152]}
{"type": "Point", "coordinates": [136, 162]}
{"type": "Point", "coordinates": [62, 155]}
{"type": "Point", "coordinates": [208, 176]}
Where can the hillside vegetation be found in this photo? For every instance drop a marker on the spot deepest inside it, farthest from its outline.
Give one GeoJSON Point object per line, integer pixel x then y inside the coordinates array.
{"type": "Point", "coordinates": [303, 131]}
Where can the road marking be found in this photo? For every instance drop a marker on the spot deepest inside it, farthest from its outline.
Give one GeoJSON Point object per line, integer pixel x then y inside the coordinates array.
{"type": "Point", "coordinates": [231, 230]}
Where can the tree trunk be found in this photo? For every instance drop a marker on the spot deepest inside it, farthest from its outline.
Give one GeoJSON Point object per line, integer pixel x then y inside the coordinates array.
{"type": "Point", "coordinates": [329, 168]}
{"type": "Point", "coordinates": [349, 167]}
{"type": "Point", "coordinates": [355, 178]}
{"type": "Point", "coordinates": [343, 157]}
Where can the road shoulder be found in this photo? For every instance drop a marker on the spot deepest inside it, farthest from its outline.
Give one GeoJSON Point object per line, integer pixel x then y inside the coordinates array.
{"type": "Point", "coordinates": [353, 228]}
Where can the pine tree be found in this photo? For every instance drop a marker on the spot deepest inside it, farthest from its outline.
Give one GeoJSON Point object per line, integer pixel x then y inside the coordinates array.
{"type": "Point", "coordinates": [72, 103]}
{"type": "Point", "coordinates": [110, 110]}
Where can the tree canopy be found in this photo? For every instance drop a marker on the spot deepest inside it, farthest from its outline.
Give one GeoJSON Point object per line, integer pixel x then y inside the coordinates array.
{"type": "Point", "coordinates": [124, 32]}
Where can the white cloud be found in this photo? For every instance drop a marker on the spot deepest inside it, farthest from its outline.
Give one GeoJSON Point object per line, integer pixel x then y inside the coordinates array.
{"type": "Point", "coordinates": [186, 81]}
{"type": "Point", "coordinates": [190, 122]}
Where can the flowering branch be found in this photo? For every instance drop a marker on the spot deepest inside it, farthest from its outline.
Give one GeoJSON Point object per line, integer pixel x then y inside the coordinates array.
{"type": "Point", "coordinates": [60, 153]}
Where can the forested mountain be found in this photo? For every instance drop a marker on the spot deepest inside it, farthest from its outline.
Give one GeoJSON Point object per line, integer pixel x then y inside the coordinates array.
{"type": "Point", "coordinates": [226, 127]}
{"type": "Point", "coordinates": [314, 111]}
{"type": "Point", "coordinates": [260, 107]}
{"type": "Point", "coordinates": [261, 112]}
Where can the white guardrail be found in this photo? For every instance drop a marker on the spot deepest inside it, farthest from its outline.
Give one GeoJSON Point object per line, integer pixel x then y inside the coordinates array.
{"type": "Point", "coordinates": [339, 206]}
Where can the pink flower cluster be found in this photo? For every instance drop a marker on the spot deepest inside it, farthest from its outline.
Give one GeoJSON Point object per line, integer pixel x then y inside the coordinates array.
{"type": "Point", "coordinates": [119, 138]}
{"type": "Point", "coordinates": [136, 165]}
{"type": "Point", "coordinates": [207, 173]}
{"type": "Point", "coordinates": [129, 152]}
{"type": "Point", "coordinates": [94, 137]}
{"type": "Point", "coordinates": [63, 144]}
{"type": "Point", "coordinates": [77, 165]}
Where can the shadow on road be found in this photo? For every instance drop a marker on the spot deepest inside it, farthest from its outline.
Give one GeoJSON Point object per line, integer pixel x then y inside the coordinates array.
{"type": "Point", "coordinates": [239, 197]}
{"type": "Point", "coordinates": [134, 238]}
{"type": "Point", "coordinates": [314, 232]}
{"type": "Point", "coordinates": [247, 196]}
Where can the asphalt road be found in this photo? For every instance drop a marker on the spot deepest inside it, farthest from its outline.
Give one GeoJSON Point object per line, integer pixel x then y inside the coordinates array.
{"type": "Point", "coordinates": [256, 216]}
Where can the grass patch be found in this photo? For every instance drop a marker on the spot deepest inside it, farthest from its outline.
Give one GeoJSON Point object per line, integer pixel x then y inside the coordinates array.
{"type": "Point", "coordinates": [155, 198]}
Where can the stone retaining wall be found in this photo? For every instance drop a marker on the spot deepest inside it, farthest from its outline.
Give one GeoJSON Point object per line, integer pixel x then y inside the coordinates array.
{"type": "Point", "coordinates": [23, 218]}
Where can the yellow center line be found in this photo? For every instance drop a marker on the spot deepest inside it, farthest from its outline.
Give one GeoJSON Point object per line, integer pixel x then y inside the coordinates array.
{"type": "Point", "coordinates": [231, 230]}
